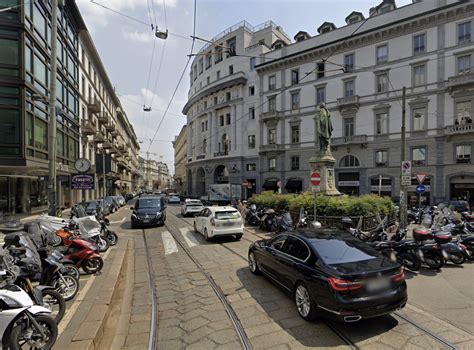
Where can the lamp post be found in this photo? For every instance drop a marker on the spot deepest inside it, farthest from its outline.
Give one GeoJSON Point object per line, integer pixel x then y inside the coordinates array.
{"type": "Point", "coordinates": [52, 150]}
{"type": "Point", "coordinates": [403, 192]}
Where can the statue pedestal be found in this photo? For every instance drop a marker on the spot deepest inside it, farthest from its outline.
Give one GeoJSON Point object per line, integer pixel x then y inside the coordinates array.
{"type": "Point", "coordinates": [323, 163]}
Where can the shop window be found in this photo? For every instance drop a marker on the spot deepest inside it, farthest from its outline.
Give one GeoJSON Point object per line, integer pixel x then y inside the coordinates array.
{"type": "Point", "coordinates": [463, 154]}
{"type": "Point", "coordinates": [381, 185]}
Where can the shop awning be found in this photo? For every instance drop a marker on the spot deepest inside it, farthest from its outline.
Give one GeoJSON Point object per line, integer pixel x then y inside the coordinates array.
{"type": "Point", "coordinates": [294, 185]}
{"type": "Point", "coordinates": [270, 185]}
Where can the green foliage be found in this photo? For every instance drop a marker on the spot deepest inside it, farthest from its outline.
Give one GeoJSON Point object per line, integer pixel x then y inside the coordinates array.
{"type": "Point", "coordinates": [365, 205]}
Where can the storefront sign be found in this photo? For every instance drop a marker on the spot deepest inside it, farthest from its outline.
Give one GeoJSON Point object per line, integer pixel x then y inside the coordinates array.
{"type": "Point", "coordinates": [83, 182]}
{"type": "Point", "coordinates": [384, 188]}
{"type": "Point", "coordinates": [349, 183]}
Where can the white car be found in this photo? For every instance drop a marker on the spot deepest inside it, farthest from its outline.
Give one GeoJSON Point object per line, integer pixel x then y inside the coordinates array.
{"type": "Point", "coordinates": [174, 199]}
{"type": "Point", "coordinates": [191, 207]}
{"type": "Point", "coordinates": [219, 221]}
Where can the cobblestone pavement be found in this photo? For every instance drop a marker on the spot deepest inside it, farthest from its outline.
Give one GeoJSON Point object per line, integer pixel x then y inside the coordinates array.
{"type": "Point", "coordinates": [192, 317]}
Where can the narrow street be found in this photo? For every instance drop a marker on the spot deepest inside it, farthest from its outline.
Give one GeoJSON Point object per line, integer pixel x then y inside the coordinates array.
{"type": "Point", "coordinates": [191, 315]}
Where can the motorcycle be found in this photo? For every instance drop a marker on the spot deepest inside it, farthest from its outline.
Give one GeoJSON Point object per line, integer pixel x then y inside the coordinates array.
{"type": "Point", "coordinates": [107, 233]}
{"type": "Point", "coordinates": [251, 215]}
{"type": "Point", "coordinates": [284, 222]}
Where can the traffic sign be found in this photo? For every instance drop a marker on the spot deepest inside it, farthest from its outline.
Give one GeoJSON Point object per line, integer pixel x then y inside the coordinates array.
{"type": "Point", "coordinates": [420, 178]}
{"type": "Point", "coordinates": [406, 178]}
{"type": "Point", "coordinates": [315, 179]}
{"type": "Point", "coordinates": [315, 189]}
{"type": "Point", "coordinates": [406, 183]}
{"type": "Point", "coordinates": [420, 189]}
{"type": "Point", "coordinates": [245, 183]}
{"type": "Point", "coordinates": [406, 167]}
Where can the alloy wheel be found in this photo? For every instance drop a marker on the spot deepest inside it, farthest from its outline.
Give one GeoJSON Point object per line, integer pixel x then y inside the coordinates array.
{"type": "Point", "coordinates": [252, 262]}
{"type": "Point", "coordinates": [303, 303]}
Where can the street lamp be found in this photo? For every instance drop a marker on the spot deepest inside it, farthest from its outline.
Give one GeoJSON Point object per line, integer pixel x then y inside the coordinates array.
{"type": "Point", "coordinates": [161, 35]}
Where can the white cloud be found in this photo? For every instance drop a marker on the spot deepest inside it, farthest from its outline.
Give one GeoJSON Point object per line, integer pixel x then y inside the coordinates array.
{"type": "Point", "coordinates": [141, 37]}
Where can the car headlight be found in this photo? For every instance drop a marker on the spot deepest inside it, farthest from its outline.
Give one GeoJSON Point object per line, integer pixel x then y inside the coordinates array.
{"type": "Point", "coordinates": [158, 214]}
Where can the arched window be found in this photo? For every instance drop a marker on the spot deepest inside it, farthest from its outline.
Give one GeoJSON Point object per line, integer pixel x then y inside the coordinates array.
{"type": "Point", "coordinates": [349, 161]}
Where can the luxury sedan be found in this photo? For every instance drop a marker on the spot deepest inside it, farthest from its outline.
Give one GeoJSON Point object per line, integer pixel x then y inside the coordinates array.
{"type": "Point", "coordinates": [331, 274]}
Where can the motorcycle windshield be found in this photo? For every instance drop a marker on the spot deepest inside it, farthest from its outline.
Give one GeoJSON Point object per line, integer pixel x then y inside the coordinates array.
{"type": "Point", "coordinates": [88, 227]}
{"type": "Point", "coordinates": [80, 211]}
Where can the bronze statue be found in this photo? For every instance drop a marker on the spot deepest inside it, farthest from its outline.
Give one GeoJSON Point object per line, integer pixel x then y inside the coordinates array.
{"type": "Point", "coordinates": [324, 127]}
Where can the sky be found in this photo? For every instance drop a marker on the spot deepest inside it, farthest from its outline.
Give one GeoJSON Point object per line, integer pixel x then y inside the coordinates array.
{"type": "Point", "coordinates": [126, 49]}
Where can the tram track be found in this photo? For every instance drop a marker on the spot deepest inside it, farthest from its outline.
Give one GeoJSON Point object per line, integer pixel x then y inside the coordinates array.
{"type": "Point", "coordinates": [333, 327]}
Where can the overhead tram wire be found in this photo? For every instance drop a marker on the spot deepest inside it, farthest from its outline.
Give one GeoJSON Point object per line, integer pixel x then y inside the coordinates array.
{"type": "Point", "coordinates": [179, 81]}
{"type": "Point", "coordinates": [164, 12]}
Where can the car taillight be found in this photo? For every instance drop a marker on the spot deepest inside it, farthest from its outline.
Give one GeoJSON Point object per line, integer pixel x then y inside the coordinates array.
{"type": "Point", "coordinates": [399, 276]}
{"type": "Point", "coordinates": [213, 222]}
{"type": "Point", "coordinates": [343, 285]}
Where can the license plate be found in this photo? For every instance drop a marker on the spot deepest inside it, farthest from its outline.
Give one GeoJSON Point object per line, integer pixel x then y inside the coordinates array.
{"type": "Point", "coordinates": [378, 284]}
{"type": "Point", "coordinates": [146, 220]}
{"type": "Point", "coordinates": [228, 223]}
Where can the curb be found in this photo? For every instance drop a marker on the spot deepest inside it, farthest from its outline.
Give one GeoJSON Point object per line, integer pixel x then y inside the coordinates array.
{"type": "Point", "coordinates": [86, 328]}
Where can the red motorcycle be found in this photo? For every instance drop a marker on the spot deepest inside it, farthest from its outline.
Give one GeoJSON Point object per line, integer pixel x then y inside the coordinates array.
{"type": "Point", "coordinates": [83, 253]}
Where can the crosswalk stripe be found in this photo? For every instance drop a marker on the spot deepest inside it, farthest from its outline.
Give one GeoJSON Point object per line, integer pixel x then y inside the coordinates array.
{"type": "Point", "coordinates": [169, 243]}
{"type": "Point", "coordinates": [189, 237]}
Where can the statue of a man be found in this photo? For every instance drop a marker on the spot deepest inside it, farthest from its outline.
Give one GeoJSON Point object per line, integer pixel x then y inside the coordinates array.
{"type": "Point", "coordinates": [324, 127]}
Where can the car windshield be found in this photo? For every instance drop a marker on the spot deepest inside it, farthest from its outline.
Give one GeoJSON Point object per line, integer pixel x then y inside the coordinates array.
{"type": "Point", "coordinates": [148, 203]}
{"type": "Point", "coordinates": [193, 203]}
{"type": "Point", "coordinates": [90, 205]}
{"type": "Point", "coordinates": [222, 215]}
{"type": "Point", "coordinates": [338, 251]}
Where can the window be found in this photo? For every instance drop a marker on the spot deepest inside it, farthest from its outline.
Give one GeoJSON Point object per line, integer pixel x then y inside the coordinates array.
{"type": "Point", "coordinates": [295, 163]}
{"type": "Point", "coordinates": [231, 69]}
{"type": "Point", "coordinates": [464, 32]}
{"type": "Point", "coordinates": [295, 100]}
{"type": "Point", "coordinates": [271, 136]}
{"type": "Point", "coordinates": [228, 96]}
{"type": "Point", "coordinates": [272, 104]}
{"type": "Point", "coordinates": [40, 70]}
{"type": "Point", "coordinates": [251, 141]}
{"type": "Point", "coordinates": [382, 82]}
{"type": "Point", "coordinates": [231, 47]}
{"type": "Point", "coordinates": [272, 164]}
{"type": "Point", "coordinates": [348, 127]}
{"type": "Point", "coordinates": [251, 90]}
{"type": "Point", "coordinates": [381, 123]}
{"type": "Point", "coordinates": [218, 55]}
{"type": "Point", "coordinates": [205, 106]}
{"type": "Point", "coordinates": [227, 118]}
{"type": "Point", "coordinates": [382, 54]}
{"type": "Point", "coordinates": [221, 120]}
{"type": "Point", "coordinates": [418, 156]}
{"type": "Point", "coordinates": [194, 73]}
{"type": "Point", "coordinates": [349, 63]}
{"type": "Point", "coordinates": [208, 80]}
{"type": "Point", "coordinates": [320, 95]}
{"type": "Point", "coordinates": [251, 167]}
{"type": "Point", "coordinates": [463, 154]}
{"type": "Point", "coordinates": [320, 70]}
{"type": "Point", "coordinates": [295, 134]}
{"type": "Point", "coordinates": [419, 45]}
{"type": "Point", "coordinates": [295, 76]}
{"type": "Point", "coordinates": [215, 100]}
{"type": "Point", "coordinates": [418, 119]}
{"type": "Point", "coordinates": [203, 126]}
{"type": "Point", "coordinates": [10, 131]}
{"type": "Point", "coordinates": [252, 63]}
{"type": "Point", "coordinates": [381, 158]}
{"type": "Point", "coordinates": [251, 113]}
{"type": "Point", "coordinates": [278, 243]}
{"type": "Point", "coordinates": [9, 52]}
{"type": "Point", "coordinates": [296, 248]}
{"type": "Point", "coordinates": [419, 75]}
{"type": "Point", "coordinates": [464, 64]}
{"type": "Point", "coordinates": [463, 113]}
{"type": "Point", "coordinates": [201, 66]}
{"type": "Point", "coordinates": [271, 82]}
{"type": "Point", "coordinates": [206, 125]}
{"type": "Point", "coordinates": [349, 88]}
{"type": "Point", "coordinates": [349, 161]}
{"type": "Point", "coordinates": [209, 60]}
{"type": "Point", "coordinates": [41, 134]}
{"type": "Point", "coordinates": [218, 75]}
{"type": "Point", "coordinates": [204, 146]}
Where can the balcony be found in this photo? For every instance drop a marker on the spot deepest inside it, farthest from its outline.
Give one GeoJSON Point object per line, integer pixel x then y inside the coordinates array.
{"type": "Point", "coordinates": [110, 126]}
{"type": "Point", "coordinates": [99, 137]}
{"type": "Point", "coordinates": [114, 132]}
{"type": "Point", "coordinates": [103, 118]}
{"type": "Point", "coordinates": [460, 81]}
{"type": "Point", "coordinates": [201, 156]}
{"type": "Point", "coordinates": [220, 154]}
{"type": "Point", "coordinates": [349, 140]}
{"type": "Point", "coordinates": [190, 159]}
{"type": "Point", "coordinates": [348, 102]}
{"type": "Point", "coordinates": [460, 129]}
{"type": "Point", "coordinates": [106, 144]}
{"type": "Point", "coordinates": [271, 115]}
{"type": "Point", "coordinates": [273, 147]}
{"type": "Point", "coordinates": [88, 127]}
{"type": "Point", "coordinates": [93, 105]}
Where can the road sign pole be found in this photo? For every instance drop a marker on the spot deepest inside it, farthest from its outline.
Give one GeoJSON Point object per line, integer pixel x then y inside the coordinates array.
{"type": "Point", "coordinates": [403, 197]}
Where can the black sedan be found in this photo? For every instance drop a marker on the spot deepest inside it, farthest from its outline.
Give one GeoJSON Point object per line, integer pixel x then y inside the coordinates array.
{"type": "Point", "coordinates": [148, 211]}
{"type": "Point", "coordinates": [331, 274]}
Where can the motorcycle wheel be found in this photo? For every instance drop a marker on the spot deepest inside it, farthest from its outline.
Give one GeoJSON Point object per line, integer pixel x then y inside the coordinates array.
{"type": "Point", "coordinates": [112, 238]}
{"type": "Point", "coordinates": [93, 265]}
{"type": "Point", "coordinates": [35, 340]}
{"type": "Point", "coordinates": [434, 261]}
{"type": "Point", "coordinates": [55, 241]}
{"type": "Point", "coordinates": [67, 286]}
{"type": "Point", "coordinates": [103, 244]}
{"type": "Point", "coordinates": [457, 258]}
{"type": "Point", "coordinates": [410, 261]}
{"type": "Point", "coordinates": [54, 301]}
{"type": "Point", "coordinates": [73, 270]}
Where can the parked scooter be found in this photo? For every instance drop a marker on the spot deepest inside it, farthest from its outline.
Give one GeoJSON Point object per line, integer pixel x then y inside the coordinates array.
{"type": "Point", "coordinates": [284, 222]}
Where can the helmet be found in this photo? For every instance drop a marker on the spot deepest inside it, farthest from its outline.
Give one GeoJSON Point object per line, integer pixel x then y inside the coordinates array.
{"type": "Point", "coordinates": [316, 225]}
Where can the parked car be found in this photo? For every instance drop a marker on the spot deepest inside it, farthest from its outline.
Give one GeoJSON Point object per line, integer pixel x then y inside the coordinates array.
{"type": "Point", "coordinates": [331, 274]}
{"type": "Point", "coordinates": [129, 196]}
{"type": "Point", "coordinates": [120, 200]}
{"type": "Point", "coordinates": [148, 211]}
{"type": "Point", "coordinates": [106, 208]}
{"type": "Point", "coordinates": [92, 207]}
{"type": "Point", "coordinates": [174, 199]}
{"type": "Point", "coordinates": [114, 204]}
{"type": "Point", "coordinates": [191, 207]}
{"type": "Point", "coordinates": [458, 205]}
{"type": "Point", "coordinates": [219, 221]}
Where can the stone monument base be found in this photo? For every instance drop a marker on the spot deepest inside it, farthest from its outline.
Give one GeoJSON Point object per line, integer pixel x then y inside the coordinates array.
{"type": "Point", "coordinates": [323, 163]}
